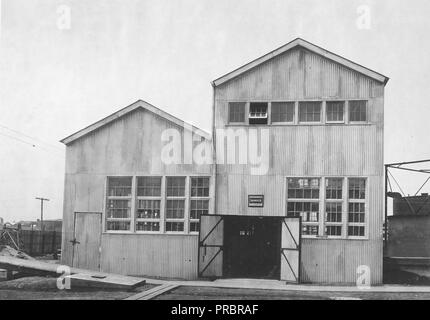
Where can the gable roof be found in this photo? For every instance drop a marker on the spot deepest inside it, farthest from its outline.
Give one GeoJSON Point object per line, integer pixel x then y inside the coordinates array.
{"type": "Point", "coordinates": [311, 47]}
{"type": "Point", "coordinates": [139, 104]}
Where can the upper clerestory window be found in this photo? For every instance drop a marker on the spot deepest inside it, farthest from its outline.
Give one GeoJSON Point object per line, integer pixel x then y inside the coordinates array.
{"type": "Point", "coordinates": [258, 112]}
{"type": "Point", "coordinates": [335, 111]}
{"type": "Point", "coordinates": [236, 112]}
{"type": "Point", "coordinates": [358, 111]}
{"type": "Point", "coordinates": [310, 111]}
{"type": "Point", "coordinates": [283, 112]}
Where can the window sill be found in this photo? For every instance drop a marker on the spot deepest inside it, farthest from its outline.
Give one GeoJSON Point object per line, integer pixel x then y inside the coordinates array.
{"type": "Point", "coordinates": [334, 238]}
{"type": "Point", "coordinates": [335, 122]}
{"type": "Point", "coordinates": [153, 233]}
{"type": "Point", "coordinates": [303, 124]}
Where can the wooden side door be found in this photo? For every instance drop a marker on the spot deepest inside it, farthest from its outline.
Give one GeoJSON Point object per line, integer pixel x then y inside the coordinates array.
{"type": "Point", "coordinates": [211, 246]}
{"type": "Point", "coordinates": [87, 240]}
{"type": "Point", "coordinates": [290, 249]}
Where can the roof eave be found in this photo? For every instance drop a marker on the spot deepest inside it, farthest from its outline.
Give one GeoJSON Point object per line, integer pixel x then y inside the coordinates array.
{"type": "Point", "coordinates": [139, 104]}
{"type": "Point", "coordinates": [307, 45]}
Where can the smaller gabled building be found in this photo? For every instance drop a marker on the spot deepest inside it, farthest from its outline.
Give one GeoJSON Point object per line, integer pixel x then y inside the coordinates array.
{"type": "Point", "coordinates": [126, 209]}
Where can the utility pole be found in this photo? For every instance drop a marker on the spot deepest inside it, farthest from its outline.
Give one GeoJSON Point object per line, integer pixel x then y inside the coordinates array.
{"type": "Point", "coordinates": [41, 210]}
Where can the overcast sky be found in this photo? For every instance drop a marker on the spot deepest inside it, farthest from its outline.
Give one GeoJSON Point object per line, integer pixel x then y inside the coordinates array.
{"type": "Point", "coordinates": [58, 76]}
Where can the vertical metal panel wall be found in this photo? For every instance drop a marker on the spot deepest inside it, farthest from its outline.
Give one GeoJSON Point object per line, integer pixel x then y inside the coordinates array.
{"type": "Point", "coordinates": [310, 150]}
{"type": "Point", "coordinates": [130, 145]}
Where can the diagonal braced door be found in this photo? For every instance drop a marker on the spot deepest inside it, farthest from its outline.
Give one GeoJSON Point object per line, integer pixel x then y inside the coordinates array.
{"type": "Point", "coordinates": [211, 246]}
{"type": "Point", "coordinates": [290, 249]}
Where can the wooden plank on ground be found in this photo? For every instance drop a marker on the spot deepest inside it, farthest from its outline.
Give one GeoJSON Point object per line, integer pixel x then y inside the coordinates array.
{"type": "Point", "coordinates": [108, 281]}
{"type": "Point", "coordinates": [154, 292]}
{"type": "Point", "coordinates": [79, 277]}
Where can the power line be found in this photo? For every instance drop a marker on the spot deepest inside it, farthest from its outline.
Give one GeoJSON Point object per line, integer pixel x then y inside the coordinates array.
{"type": "Point", "coordinates": [30, 137]}
{"type": "Point", "coordinates": [56, 153]}
{"type": "Point", "coordinates": [20, 140]}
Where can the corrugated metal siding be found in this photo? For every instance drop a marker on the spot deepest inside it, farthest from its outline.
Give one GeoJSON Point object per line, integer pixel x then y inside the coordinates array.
{"type": "Point", "coordinates": [130, 145]}
{"type": "Point", "coordinates": [310, 150]}
{"type": "Point", "coordinates": [173, 256]}
{"type": "Point", "coordinates": [336, 261]}
{"type": "Point", "coordinates": [298, 74]}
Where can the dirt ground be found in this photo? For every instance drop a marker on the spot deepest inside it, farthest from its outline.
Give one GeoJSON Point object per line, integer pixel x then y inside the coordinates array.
{"type": "Point", "coordinates": [207, 293]}
{"type": "Point", "coordinates": [45, 288]}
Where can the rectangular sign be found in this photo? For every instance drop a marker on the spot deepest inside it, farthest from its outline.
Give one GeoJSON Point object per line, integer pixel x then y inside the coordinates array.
{"type": "Point", "coordinates": [256, 200]}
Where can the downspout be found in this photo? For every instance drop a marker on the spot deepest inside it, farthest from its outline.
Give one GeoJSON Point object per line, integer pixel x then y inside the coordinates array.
{"type": "Point", "coordinates": [214, 148]}
{"type": "Point", "coordinates": [386, 211]}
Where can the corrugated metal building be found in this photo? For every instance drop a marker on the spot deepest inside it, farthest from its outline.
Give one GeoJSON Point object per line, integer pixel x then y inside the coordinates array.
{"type": "Point", "coordinates": [295, 191]}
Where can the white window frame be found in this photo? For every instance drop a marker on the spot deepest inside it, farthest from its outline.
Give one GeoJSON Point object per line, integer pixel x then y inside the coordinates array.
{"type": "Point", "coordinates": [129, 198]}
{"type": "Point", "coordinates": [336, 201]}
{"type": "Point", "coordinates": [245, 115]}
{"type": "Point", "coordinates": [181, 198]}
{"type": "Point", "coordinates": [307, 200]}
{"type": "Point", "coordinates": [321, 121]}
{"type": "Point", "coordinates": [283, 122]}
{"type": "Point", "coordinates": [335, 121]}
{"type": "Point", "coordinates": [154, 198]}
{"type": "Point", "coordinates": [191, 198]}
{"type": "Point", "coordinates": [366, 210]}
{"type": "Point", "coordinates": [367, 111]}
{"type": "Point", "coordinates": [322, 207]}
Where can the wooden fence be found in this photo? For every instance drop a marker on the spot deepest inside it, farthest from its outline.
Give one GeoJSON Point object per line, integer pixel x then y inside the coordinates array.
{"type": "Point", "coordinates": [37, 243]}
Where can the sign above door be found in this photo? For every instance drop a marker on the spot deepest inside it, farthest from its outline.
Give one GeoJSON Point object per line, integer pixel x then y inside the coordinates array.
{"type": "Point", "coordinates": [255, 201]}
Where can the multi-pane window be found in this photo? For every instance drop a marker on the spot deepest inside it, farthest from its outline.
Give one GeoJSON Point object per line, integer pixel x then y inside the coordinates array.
{"type": "Point", "coordinates": [118, 204]}
{"type": "Point", "coordinates": [199, 187]}
{"type": "Point", "coordinates": [236, 112]}
{"type": "Point", "coordinates": [156, 204]}
{"type": "Point", "coordinates": [358, 111]}
{"type": "Point", "coordinates": [335, 111]}
{"type": "Point", "coordinates": [175, 187]}
{"type": "Point", "coordinates": [356, 212]}
{"type": "Point", "coordinates": [333, 188]}
{"type": "Point", "coordinates": [175, 208]}
{"type": "Point", "coordinates": [283, 112]}
{"type": "Point", "coordinates": [303, 201]}
{"type": "Point", "coordinates": [199, 203]}
{"type": "Point", "coordinates": [356, 207]}
{"type": "Point", "coordinates": [197, 208]}
{"type": "Point", "coordinates": [357, 188]}
{"type": "Point", "coordinates": [310, 111]}
{"type": "Point", "coordinates": [148, 206]}
{"type": "Point", "coordinates": [333, 207]}
{"type": "Point", "coordinates": [258, 113]}
{"type": "Point", "coordinates": [149, 186]}
{"type": "Point", "coordinates": [119, 186]}
{"type": "Point", "coordinates": [175, 215]}
{"type": "Point", "coordinates": [303, 188]}
{"type": "Point", "coordinates": [148, 215]}
{"type": "Point", "coordinates": [333, 218]}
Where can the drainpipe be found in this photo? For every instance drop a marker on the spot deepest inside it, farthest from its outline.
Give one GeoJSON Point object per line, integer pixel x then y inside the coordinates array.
{"type": "Point", "coordinates": [214, 147]}
{"type": "Point", "coordinates": [386, 211]}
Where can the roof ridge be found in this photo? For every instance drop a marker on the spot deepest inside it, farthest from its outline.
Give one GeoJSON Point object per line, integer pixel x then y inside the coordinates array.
{"type": "Point", "coordinates": [309, 46]}
{"type": "Point", "coordinates": [130, 108]}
